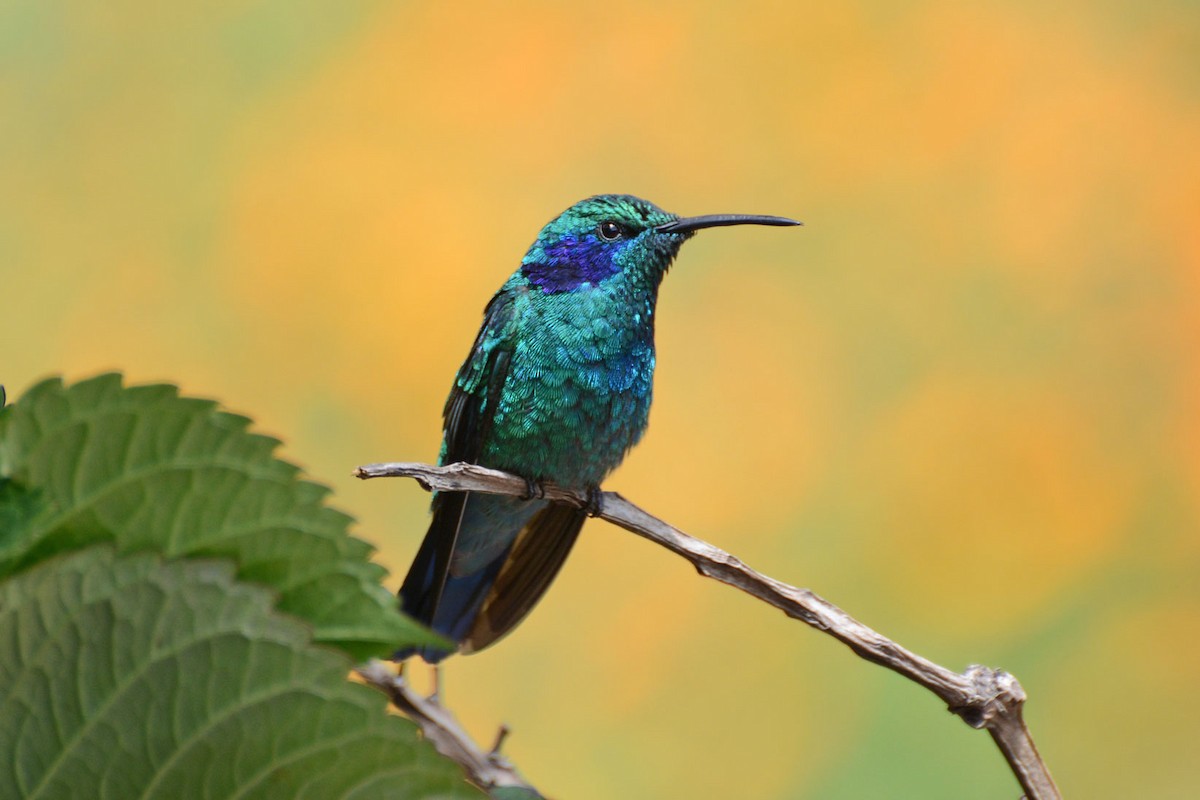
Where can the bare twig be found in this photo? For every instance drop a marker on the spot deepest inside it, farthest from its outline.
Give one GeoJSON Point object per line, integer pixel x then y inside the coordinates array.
{"type": "Point", "coordinates": [487, 770]}
{"type": "Point", "coordinates": [983, 697]}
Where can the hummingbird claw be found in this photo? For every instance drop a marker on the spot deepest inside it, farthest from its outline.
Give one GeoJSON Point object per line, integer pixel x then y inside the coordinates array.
{"type": "Point", "coordinates": [534, 490]}
{"type": "Point", "coordinates": [595, 501]}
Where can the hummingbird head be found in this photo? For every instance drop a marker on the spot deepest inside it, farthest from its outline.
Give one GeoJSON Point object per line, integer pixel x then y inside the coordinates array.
{"type": "Point", "coordinates": [613, 236]}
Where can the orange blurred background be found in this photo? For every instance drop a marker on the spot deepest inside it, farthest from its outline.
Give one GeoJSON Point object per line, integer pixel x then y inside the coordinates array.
{"type": "Point", "coordinates": [961, 402]}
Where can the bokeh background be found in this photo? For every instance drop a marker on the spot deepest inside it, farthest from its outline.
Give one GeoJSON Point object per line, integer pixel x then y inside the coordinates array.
{"type": "Point", "coordinates": [961, 402]}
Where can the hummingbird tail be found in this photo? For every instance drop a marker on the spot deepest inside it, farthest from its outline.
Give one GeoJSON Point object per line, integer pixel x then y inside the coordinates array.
{"type": "Point", "coordinates": [531, 566]}
{"type": "Point", "coordinates": [480, 604]}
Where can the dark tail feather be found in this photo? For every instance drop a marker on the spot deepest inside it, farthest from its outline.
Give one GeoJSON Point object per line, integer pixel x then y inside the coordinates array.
{"type": "Point", "coordinates": [421, 592]}
{"type": "Point", "coordinates": [530, 567]}
{"type": "Point", "coordinates": [477, 608]}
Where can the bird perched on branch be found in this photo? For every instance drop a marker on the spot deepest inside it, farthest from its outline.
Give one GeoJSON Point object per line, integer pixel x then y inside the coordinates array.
{"type": "Point", "coordinates": [557, 387]}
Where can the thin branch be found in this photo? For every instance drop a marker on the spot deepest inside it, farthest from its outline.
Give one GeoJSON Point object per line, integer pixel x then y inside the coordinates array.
{"type": "Point", "coordinates": [981, 696]}
{"type": "Point", "coordinates": [487, 770]}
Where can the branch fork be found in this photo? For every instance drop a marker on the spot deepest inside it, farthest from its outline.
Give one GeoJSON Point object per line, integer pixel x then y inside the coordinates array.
{"type": "Point", "coordinates": [487, 769]}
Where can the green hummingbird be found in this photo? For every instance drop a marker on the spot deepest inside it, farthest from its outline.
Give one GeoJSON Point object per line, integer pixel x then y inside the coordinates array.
{"type": "Point", "coordinates": [557, 387]}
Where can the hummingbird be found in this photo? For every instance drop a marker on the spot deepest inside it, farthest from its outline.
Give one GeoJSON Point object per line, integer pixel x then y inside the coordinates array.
{"type": "Point", "coordinates": [557, 387]}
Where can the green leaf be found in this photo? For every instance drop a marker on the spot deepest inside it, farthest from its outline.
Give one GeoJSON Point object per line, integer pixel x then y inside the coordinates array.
{"type": "Point", "coordinates": [513, 793]}
{"type": "Point", "coordinates": [149, 470]}
{"type": "Point", "coordinates": [19, 507]}
{"type": "Point", "coordinates": [128, 676]}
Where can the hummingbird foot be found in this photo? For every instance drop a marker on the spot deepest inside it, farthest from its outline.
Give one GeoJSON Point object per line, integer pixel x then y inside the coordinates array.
{"type": "Point", "coordinates": [595, 501]}
{"type": "Point", "coordinates": [534, 490]}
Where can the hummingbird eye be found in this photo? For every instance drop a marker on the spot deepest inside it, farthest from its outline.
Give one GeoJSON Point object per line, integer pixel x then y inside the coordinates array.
{"type": "Point", "coordinates": [610, 231]}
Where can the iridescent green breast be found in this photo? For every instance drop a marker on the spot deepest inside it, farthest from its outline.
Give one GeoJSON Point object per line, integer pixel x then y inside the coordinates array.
{"type": "Point", "coordinates": [578, 391]}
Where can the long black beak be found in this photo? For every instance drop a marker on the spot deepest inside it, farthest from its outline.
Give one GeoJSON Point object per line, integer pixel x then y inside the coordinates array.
{"type": "Point", "coordinates": [689, 224]}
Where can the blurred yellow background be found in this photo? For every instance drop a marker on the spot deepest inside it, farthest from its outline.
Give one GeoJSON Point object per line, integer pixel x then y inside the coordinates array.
{"type": "Point", "coordinates": [961, 402]}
